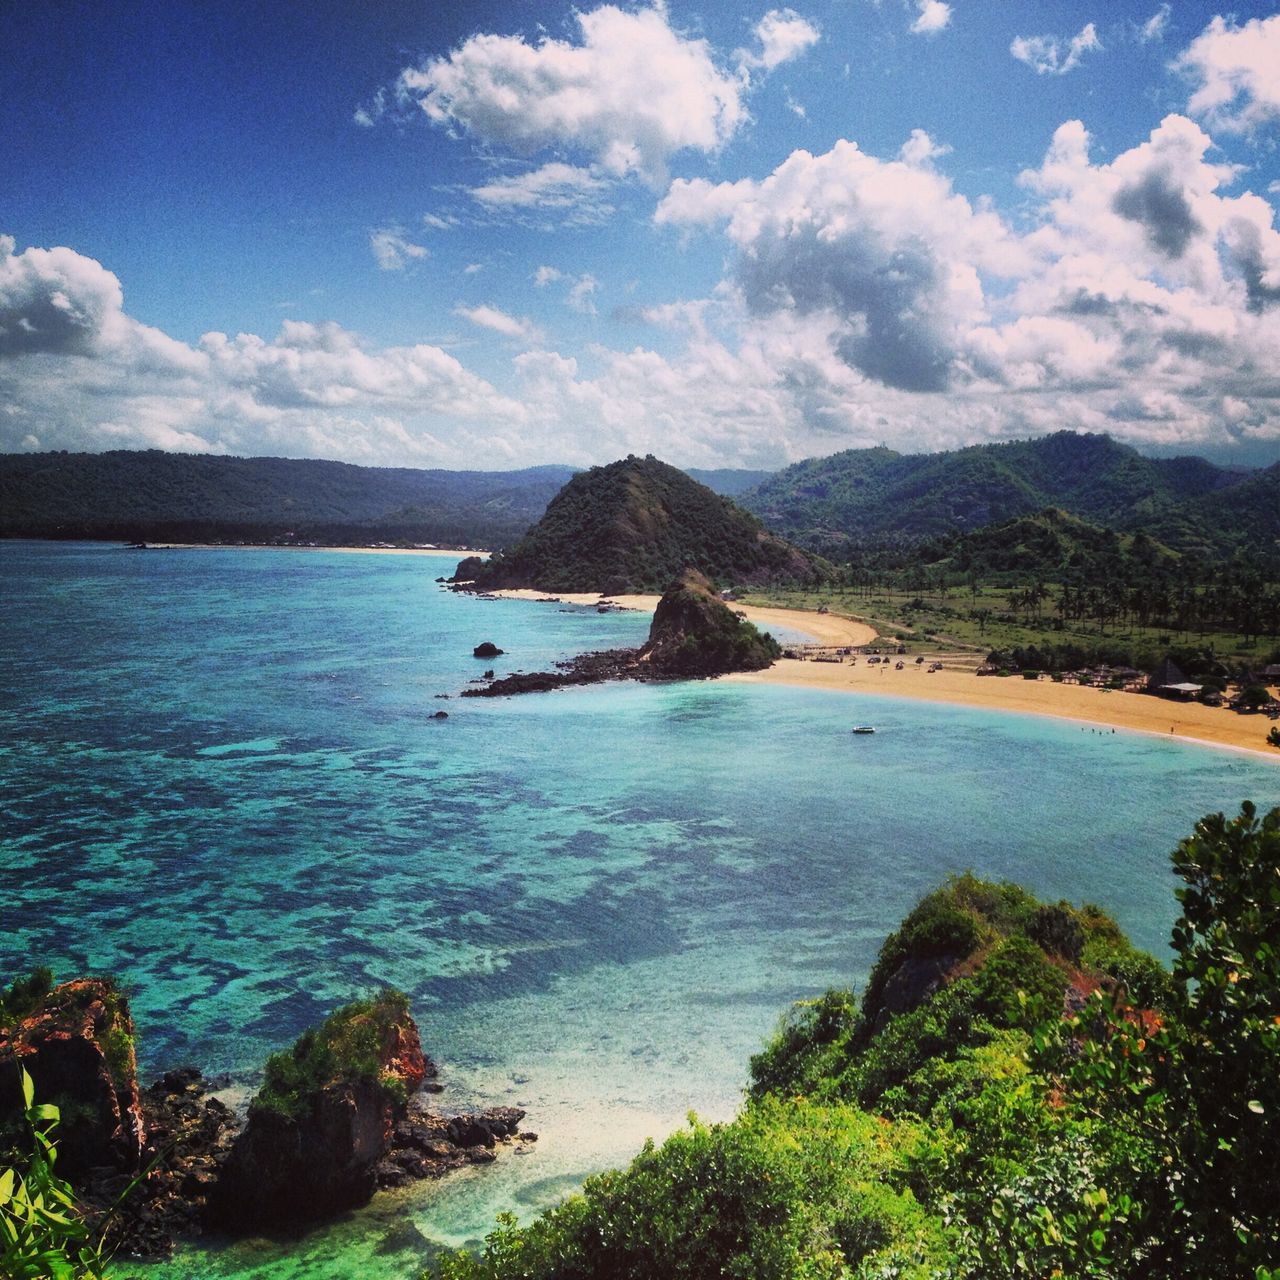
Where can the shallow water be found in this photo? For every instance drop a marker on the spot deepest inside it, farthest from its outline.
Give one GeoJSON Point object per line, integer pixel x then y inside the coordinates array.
{"type": "Point", "coordinates": [219, 780]}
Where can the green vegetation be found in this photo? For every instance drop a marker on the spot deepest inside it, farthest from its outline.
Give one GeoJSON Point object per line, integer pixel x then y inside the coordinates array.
{"type": "Point", "coordinates": [1020, 1093]}
{"type": "Point", "coordinates": [694, 633]}
{"type": "Point", "coordinates": [843, 503]}
{"type": "Point", "coordinates": [634, 526]}
{"type": "Point", "coordinates": [24, 995]}
{"type": "Point", "coordinates": [345, 1048]}
{"type": "Point", "coordinates": [42, 1234]}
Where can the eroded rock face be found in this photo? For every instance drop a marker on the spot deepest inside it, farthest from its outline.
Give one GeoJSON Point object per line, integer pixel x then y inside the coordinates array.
{"type": "Point", "coordinates": [318, 1152]}
{"type": "Point", "coordinates": [77, 1046]}
{"type": "Point", "coordinates": [694, 633]}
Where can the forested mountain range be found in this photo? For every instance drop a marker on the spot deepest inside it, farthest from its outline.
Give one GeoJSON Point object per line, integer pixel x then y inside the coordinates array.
{"type": "Point", "coordinates": [155, 495]}
{"type": "Point", "coordinates": [877, 496]}
{"type": "Point", "coordinates": [635, 525]}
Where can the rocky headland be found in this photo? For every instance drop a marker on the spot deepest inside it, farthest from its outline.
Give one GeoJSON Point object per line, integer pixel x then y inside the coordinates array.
{"type": "Point", "coordinates": [694, 634]}
{"type": "Point", "coordinates": [341, 1114]}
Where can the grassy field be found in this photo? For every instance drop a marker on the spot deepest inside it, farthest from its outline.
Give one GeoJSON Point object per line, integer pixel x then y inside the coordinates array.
{"type": "Point", "coordinates": [964, 621]}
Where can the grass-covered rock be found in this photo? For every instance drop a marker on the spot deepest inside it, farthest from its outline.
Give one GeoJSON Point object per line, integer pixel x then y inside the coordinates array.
{"type": "Point", "coordinates": [694, 633]}
{"type": "Point", "coordinates": [324, 1116]}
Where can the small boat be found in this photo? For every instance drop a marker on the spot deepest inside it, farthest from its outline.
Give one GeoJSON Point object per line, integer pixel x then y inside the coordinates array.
{"type": "Point", "coordinates": [862, 728]}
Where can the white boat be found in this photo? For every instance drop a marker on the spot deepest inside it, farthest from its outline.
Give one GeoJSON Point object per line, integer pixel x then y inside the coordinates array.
{"type": "Point", "coordinates": [862, 728]}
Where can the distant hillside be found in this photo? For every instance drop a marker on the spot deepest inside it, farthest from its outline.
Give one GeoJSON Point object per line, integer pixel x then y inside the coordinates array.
{"type": "Point", "coordinates": [637, 524]}
{"type": "Point", "coordinates": [878, 496]}
{"type": "Point", "coordinates": [1044, 543]}
{"type": "Point", "coordinates": [729, 482]}
{"type": "Point", "coordinates": [155, 495]}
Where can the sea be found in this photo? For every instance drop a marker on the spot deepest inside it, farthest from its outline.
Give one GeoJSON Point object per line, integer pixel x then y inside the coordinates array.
{"type": "Point", "coordinates": [221, 780]}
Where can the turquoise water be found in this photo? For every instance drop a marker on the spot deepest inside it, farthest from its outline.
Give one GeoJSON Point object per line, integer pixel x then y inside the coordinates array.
{"type": "Point", "coordinates": [219, 779]}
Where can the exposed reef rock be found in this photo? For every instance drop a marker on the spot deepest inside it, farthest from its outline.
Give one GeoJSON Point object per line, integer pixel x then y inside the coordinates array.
{"type": "Point", "coordinates": [693, 634]}
{"type": "Point", "coordinates": [487, 649]}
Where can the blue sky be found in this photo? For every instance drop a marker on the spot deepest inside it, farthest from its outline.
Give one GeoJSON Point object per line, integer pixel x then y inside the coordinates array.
{"type": "Point", "coordinates": [502, 234]}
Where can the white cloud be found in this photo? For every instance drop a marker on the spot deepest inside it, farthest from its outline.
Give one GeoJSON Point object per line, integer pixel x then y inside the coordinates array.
{"type": "Point", "coordinates": [580, 295]}
{"type": "Point", "coordinates": [509, 326]}
{"type": "Point", "coordinates": [76, 371]}
{"type": "Point", "coordinates": [473, 268]}
{"type": "Point", "coordinates": [783, 35]}
{"type": "Point", "coordinates": [576, 192]}
{"type": "Point", "coordinates": [392, 250]}
{"type": "Point", "coordinates": [933, 17]}
{"type": "Point", "coordinates": [545, 276]}
{"type": "Point", "coordinates": [631, 93]}
{"type": "Point", "coordinates": [921, 149]}
{"type": "Point", "coordinates": [1237, 73]}
{"type": "Point", "coordinates": [1154, 27]}
{"type": "Point", "coordinates": [1047, 55]}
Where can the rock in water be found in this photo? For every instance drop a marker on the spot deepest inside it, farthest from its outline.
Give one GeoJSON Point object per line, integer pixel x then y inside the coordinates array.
{"type": "Point", "coordinates": [76, 1042]}
{"type": "Point", "coordinates": [694, 633]}
{"type": "Point", "coordinates": [324, 1118]}
{"type": "Point", "coordinates": [486, 650]}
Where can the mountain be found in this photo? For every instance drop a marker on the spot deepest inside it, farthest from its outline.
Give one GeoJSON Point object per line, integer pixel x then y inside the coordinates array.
{"type": "Point", "coordinates": [878, 496]}
{"type": "Point", "coordinates": [635, 525]}
{"type": "Point", "coordinates": [193, 497]}
{"type": "Point", "coordinates": [694, 633]}
{"type": "Point", "coordinates": [156, 495]}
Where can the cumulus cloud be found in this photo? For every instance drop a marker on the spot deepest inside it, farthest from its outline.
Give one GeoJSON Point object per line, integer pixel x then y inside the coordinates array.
{"type": "Point", "coordinates": [1236, 71]}
{"type": "Point", "coordinates": [392, 250]}
{"type": "Point", "coordinates": [76, 371]}
{"type": "Point", "coordinates": [630, 93]}
{"type": "Point", "coordinates": [1051, 55]}
{"type": "Point", "coordinates": [546, 275]}
{"type": "Point", "coordinates": [783, 35]}
{"type": "Point", "coordinates": [885, 250]}
{"type": "Point", "coordinates": [933, 17]}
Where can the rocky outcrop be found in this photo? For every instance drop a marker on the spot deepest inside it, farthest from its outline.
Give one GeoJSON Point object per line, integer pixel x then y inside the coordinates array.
{"type": "Point", "coordinates": [324, 1118]}
{"type": "Point", "coordinates": [76, 1043]}
{"type": "Point", "coordinates": [336, 1119]}
{"type": "Point", "coordinates": [694, 633]}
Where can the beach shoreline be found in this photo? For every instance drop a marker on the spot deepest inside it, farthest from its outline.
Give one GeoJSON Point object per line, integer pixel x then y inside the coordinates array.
{"type": "Point", "coordinates": [1101, 709]}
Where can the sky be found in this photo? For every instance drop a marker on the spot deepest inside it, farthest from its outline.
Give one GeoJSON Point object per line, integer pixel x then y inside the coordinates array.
{"type": "Point", "coordinates": [491, 235]}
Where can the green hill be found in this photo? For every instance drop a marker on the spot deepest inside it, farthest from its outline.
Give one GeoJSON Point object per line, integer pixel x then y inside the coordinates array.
{"type": "Point", "coordinates": [877, 496]}
{"type": "Point", "coordinates": [152, 495]}
{"type": "Point", "coordinates": [637, 524]}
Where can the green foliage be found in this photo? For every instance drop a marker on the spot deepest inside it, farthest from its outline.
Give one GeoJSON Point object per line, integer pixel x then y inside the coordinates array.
{"type": "Point", "coordinates": [24, 995]}
{"type": "Point", "coordinates": [637, 524]}
{"type": "Point", "coordinates": [694, 633]}
{"type": "Point", "coordinates": [810, 1047]}
{"type": "Point", "coordinates": [788, 1191]}
{"type": "Point", "coordinates": [346, 1047]}
{"type": "Point", "coordinates": [42, 1235]}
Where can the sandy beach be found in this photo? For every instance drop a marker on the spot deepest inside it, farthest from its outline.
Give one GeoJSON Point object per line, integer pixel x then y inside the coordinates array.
{"type": "Point", "coordinates": [958, 685]}
{"type": "Point", "coordinates": [1098, 708]}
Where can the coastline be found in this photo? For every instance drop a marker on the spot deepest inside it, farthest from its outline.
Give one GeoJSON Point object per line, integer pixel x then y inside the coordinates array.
{"type": "Point", "coordinates": [1093, 708]}
{"type": "Point", "coordinates": [452, 552]}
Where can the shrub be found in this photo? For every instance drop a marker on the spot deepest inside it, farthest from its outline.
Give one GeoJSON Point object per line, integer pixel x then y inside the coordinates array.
{"type": "Point", "coordinates": [41, 1232]}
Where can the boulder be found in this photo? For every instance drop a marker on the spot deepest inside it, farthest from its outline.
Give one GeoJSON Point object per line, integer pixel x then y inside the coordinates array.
{"type": "Point", "coordinates": [324, 1121]}
{"type": "Point", "coordinates": [486, 650]}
